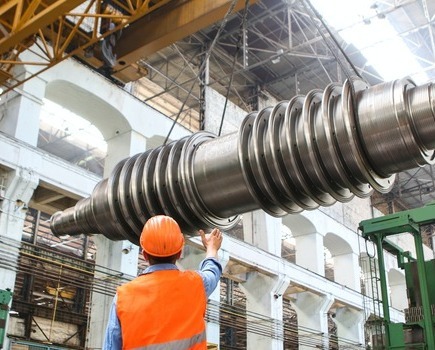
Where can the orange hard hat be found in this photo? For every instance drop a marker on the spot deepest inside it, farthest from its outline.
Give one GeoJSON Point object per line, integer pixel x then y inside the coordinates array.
{"type": "Point", "coordinates": [161, 236]}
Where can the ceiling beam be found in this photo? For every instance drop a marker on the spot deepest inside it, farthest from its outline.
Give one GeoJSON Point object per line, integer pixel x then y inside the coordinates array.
{"type": "Point", "coordinates": [162, 28]}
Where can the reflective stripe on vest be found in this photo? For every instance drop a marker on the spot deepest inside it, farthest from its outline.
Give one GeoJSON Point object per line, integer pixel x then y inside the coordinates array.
{"type": "Point", "coordinates": [182, 344]}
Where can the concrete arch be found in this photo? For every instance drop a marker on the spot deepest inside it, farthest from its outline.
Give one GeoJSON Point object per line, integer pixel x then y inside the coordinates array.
{"type": "Point", "coordinates": [397, 284]}
{"type": "Point", "coordinates": [133, 115]}
{"type": "Point", "coordinates": [396, 276]}
{"type": "Point", "coordinates": [308, 242]}
{"type": "Point", "coordinates": [336, 244]}
{"type": "Point", "coordinates": [84, 103]}
{"type": "Point", "coordinates": [299, 225]}
{"type": "Point", "coordinates": [345, 261]}
{"type": "Point", "coordinates": [313, 232]}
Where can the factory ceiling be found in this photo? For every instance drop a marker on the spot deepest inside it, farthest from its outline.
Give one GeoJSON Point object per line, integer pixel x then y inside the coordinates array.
{"type": "Point", "coordinates": [283, 48]}
{"type": "Point", "coordinates": [279, 48]}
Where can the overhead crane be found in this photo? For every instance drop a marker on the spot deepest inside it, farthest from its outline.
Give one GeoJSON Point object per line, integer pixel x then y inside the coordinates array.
{"type": "Point", "coordinates": [58, 29]}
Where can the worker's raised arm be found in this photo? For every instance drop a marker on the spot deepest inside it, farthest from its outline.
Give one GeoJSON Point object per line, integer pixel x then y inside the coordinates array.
{"type": "Point", "coordinates": [210, 268]}
{"type": "Point", "coordinates": [212, 242]}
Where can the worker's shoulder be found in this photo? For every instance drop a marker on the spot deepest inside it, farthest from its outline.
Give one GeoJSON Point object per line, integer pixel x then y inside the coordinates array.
{"type": "Point", "coordinates": [191, 274]}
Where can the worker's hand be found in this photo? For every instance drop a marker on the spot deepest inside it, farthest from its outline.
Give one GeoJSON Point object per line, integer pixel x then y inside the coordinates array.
{"type": "Point", "coordinates": [212, 241]}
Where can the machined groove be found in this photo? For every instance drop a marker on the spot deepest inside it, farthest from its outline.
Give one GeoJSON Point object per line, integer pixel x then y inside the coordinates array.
{"type": "Point", "coordinates": [303, 153]}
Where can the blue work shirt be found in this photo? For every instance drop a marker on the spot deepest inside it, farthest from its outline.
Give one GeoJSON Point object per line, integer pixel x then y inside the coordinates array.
{"type": "Point", "coordinates": [210, 270]}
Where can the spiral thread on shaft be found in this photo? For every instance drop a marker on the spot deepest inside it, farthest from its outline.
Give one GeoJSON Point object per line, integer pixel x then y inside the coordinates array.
{"type": "Point", "coordinates": [303, 153]}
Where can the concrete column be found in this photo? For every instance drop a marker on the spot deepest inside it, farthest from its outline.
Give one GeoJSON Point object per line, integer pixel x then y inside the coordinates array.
{"type": "Point", "coordinates": [19, 187]}
{"type": "Point", "coordinates": [190, 260]}
{"type": "Point", "coordinates": [347, 270]}
{"type": "Point", "coordinates": [110, 253]}
{"type": "Point", "coordinates": [20, 110]}
{"type": "Point", "coordinates": [214, 108]}
{"type": "Point", "coordinates": [262, 231]}
{"type": "Point", "coordinates": [123, 146]}
{"type": "Point", "coordinates": [350, 326]}
{"type": "Point", "coordinates": [264, 297]}
{"type": "Point", "coordinates": [312, 312]}
{"type": "Point", "coordinates": [310, 252]}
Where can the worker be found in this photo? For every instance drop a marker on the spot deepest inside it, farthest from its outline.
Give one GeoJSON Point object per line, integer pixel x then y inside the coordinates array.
{"type": "Point", "coordinates": [164, 308]}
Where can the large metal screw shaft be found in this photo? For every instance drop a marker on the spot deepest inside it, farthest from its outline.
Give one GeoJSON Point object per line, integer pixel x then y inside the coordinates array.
{"type": "Point", "coordinates": [303, 153]}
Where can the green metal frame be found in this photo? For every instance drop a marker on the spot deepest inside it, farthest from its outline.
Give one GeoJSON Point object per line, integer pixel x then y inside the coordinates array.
{"type": "Point", "coordinates": [5, 299]}
{"type": "Point", "coordinates": [376, 230]}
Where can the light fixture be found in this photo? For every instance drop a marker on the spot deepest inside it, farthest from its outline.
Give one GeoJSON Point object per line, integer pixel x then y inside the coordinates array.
{"type": "Point", "coordinates": [277, 59]}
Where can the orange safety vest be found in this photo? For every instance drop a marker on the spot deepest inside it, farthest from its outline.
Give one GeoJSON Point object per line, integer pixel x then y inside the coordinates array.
{"type": "Point", "coordinates": [163, 310]}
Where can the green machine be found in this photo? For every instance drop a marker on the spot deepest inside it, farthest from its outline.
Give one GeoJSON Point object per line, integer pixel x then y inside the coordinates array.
{"type": "Point", "coordinates": [5, 299]}
{"type": "Point", "coordinates": [417, 332]}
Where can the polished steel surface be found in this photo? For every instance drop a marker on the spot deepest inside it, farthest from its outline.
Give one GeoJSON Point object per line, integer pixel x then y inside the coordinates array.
{"type": "Point", "coordinates": [303, 153]}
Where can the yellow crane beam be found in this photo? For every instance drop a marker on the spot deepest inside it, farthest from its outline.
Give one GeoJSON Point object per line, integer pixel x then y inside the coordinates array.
{"type": "Point", "coordinates": [21, 19]}
{"type": "Point", "coordinates": [57, 29]}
